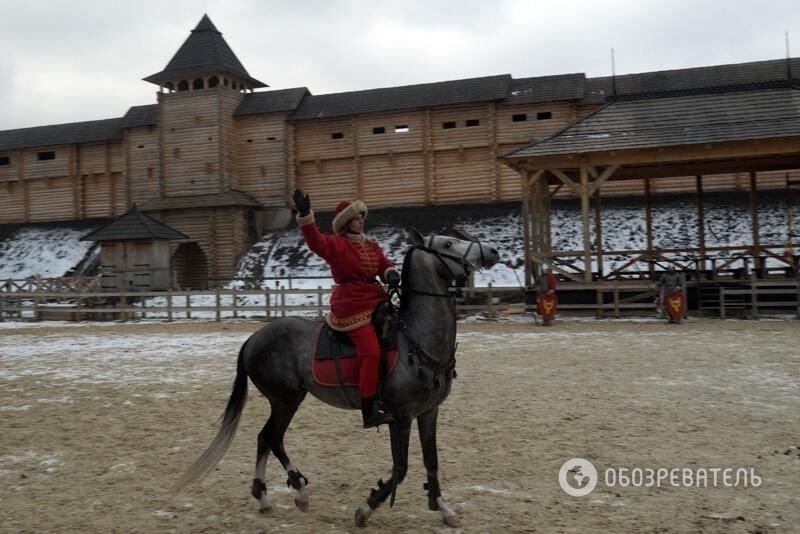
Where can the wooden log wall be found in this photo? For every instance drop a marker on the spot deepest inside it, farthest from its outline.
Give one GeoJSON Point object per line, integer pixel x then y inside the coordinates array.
{"type": "Point", "coordinates": [79, 182]}
{"type": "Point", "coordinates": [443, 155]}
{"type": "Point", "coordinates": [143, 163]}
{"type": "Point", "coordinates": [261, 158]}
{"type": "Point", "coordinates": [195, 156]}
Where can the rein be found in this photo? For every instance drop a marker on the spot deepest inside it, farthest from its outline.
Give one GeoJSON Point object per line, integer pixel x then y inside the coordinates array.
{"type": "Point", "coordinates": [438, 368]}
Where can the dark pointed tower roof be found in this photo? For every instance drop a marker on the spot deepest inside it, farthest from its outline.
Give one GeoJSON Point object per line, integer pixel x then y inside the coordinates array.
{"type": "Point", "coordinates": [204, 51]}
{"type": "Point", "coordinates": [133, 225]}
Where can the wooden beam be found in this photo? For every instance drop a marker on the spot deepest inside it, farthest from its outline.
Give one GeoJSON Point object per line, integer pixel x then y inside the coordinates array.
{"type": "Point", "coordinates": [493, 150]}
{"type": "Point", "coordinates": [701, 222]}
{"type": "Point", "coordinates": [354, 132]}
{"type": "Point", "coordinates": [290, 147]}
{"type": "Point", "coordinates": [648, 218]}
{"type": "Point", "coordinates": [526, 215]}
{"type": "Point", "coordinates": [587, 245]}
{"type": "Point", "coordinates": [598, 232]}
{"type": "Point", "coordinates": [576, 189]}
{"type": "Point", "coordinates": [556, 190]}
{"type": "Point", "coordinates": [428, 157]}
{"type": "Point", "coordinates": [754, 219]}
{"type": "Point", "coordinates": [605, 175]}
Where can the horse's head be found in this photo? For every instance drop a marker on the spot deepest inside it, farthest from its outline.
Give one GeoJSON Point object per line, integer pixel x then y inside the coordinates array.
{"type": "Point", "coordinates": [462, 255]}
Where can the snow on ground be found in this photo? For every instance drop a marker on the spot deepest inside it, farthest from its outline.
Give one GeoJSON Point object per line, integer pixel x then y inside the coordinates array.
{"type": "Point", "coordinates": [45, 252]}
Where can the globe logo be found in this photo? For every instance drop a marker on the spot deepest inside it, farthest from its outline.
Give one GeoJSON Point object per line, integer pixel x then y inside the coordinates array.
{"type": "Point", "coordinates": [577, 477]}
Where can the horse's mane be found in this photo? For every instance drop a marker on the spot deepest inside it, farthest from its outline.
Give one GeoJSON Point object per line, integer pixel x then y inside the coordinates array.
{"type": "Point", "coordinates": [404, 276]}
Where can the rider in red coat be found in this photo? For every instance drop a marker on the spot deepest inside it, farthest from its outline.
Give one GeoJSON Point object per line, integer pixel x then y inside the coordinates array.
{"type": "Point", "coordinates": [355, 262]}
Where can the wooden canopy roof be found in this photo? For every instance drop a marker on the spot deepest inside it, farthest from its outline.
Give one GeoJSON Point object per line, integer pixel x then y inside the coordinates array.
{"type": "Point", "coordinates": [699, 131]}
{"type": "Point", "coordinates": [133, 225]}
{"type": "Point", "coordinates": [204, 51]}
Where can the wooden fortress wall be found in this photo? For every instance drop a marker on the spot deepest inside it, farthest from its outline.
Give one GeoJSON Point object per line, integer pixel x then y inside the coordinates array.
{"type": "Point", "coordinates": [445, 155]}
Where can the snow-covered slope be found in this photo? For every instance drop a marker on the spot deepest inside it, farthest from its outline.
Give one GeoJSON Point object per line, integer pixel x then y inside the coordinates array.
{"type": "Point", "coordinates": [43, 251]}
{"type": "Point", "coordinates": [675, 222]}
{"type": "Point", "coordinates": [53, 250]}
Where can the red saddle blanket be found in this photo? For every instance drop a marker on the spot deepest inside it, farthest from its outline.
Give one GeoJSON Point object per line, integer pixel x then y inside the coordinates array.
{"type": "Point", "coordinates": [330, 344]}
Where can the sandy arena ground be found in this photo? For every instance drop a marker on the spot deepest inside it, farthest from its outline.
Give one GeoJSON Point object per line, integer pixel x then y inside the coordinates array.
{"type": "Point", "coordinates": [98, 421]}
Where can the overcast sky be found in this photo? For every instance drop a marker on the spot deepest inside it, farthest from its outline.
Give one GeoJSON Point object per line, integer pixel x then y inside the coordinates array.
{"type": "Point", "coordinates": [77, 60]}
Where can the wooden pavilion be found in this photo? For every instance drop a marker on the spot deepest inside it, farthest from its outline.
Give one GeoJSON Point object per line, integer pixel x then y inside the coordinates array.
{"type": "Point", "coordinates": [738, 128]}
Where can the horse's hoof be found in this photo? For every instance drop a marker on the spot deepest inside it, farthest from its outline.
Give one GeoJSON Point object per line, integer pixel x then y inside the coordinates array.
{"type": "Point", "coordinates": [301, 505]}
{"type": "Point", "coordinates": [266, 509]}
{"type": "Point", "coordinates": [452, 521]}
{"type": "Point", "coordinates": [361, 518]}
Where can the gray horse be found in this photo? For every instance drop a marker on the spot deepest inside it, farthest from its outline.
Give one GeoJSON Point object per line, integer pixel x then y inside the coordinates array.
{"type": "Point", "coordinates": [277, 358]}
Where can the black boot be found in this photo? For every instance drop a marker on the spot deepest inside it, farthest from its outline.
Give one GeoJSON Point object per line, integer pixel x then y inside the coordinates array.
{"type": "Point", "coordinates": [372, 416]}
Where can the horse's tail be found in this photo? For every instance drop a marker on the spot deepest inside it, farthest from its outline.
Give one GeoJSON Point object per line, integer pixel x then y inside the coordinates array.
{"type": "Point", "coordinates": [227, 429]}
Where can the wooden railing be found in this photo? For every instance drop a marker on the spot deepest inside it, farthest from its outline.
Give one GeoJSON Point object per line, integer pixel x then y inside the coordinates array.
{"type": "Point", "coordinates": [64, 284]}
{"type": "Point", "coordinates": [216, 304]}
{"type": "Point", "coordinates": [756, 292]}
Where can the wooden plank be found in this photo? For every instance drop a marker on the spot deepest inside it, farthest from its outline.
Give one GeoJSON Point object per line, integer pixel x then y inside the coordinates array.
{"type": "Point", "coordinates": [587, 245]}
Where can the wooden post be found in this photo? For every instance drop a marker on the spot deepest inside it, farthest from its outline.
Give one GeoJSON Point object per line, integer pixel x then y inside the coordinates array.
{"type": "Point", "coordinates": [123, 305]}
{"type": "Point", "coordinates": [188, 305]}
{"type": "Point", "coordinates": [319, 301]}
{"type": "Point", "coordinates": [754, 218]}
{"type": "Point", "coordinates": [218, 301]}
{"type": "Point", "coordinates": [701, 222]}
{"type": "Point", "coordinates": [169, 306]}
{"type": "Point", "coordinates": [490, 301]}
{"type": "Point", "coordinates": [616, 298]}
{"type": "Point", "coordinates": [283, 301]}
{"type": "Point", "coordinates": [722, 302]}
{"type": "Point", "coordinates": [754, 294]}
{"type": "Point", "coordinates": [235, 303]}
{"type": "Point", "coordinates": [648, 217]}
{"type": "Point", "coordinates": [587, 245]}
{"type": "Point", "coordinates": [526, 216]}
{"type": "Point", "coordinates": [266, 303]}
{"type": "Point", "coordinates": [598, 232]}
{"type": "Point", "coordinates": [599, 294]}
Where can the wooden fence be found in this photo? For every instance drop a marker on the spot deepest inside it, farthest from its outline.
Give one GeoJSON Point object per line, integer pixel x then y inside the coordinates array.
{"type": "Point", "coordinates": [216, 304]}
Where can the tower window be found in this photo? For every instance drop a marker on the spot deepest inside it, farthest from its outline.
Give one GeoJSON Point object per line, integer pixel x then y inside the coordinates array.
{"type": "Point", "coordinates": [378, 130]}
{"type": "Point", "coordinates": [140, 146]}
{"type": "Point", "coordinates": [5, 160]}
{"type": "Point", "coordinates": [225, 82]}
{"type": "Point", "coordinates": [473, 122]}
{"type": "Point", "coordinates": [448, 125]}
{"type": "Point", "coordinates": [337, 135]}
{"type": "Point", "coordinates": [198, 84]}
{"type": "Point", "coordinates": [519, 117]}
{"type": "Point", "coordinates": [544, 115]}
{"type": "Point", "coordinates": [213, 82]}
{"type": "Point", "coordinates": [249, 140]}
{"type": "Point", "coordinates": [43, 156]}
{"type": "Point", "coordinates": [403, 128]}
{"type": "Point", "coordinates": [183, 85]}
{"type": "Point", "coordinates": [233, 85]}
{"type": "Point", "coordinates": [270, 138]}
{"type": "Point", "coordinates": [169, 86]}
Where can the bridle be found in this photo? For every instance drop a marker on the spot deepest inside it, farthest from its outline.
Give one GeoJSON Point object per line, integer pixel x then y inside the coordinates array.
{"type": "Point", "coordinates": [443, 257]}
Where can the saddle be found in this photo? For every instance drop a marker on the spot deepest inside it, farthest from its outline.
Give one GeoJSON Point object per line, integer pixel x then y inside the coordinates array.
{"type": "Point", "coordinates": [334, 361]}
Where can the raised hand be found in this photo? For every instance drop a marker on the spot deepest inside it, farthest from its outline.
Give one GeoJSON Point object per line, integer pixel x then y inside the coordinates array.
{"type": "Point", "coordinates": [393, 278]}
{"type": "Point", "coordinates": [302, 202]}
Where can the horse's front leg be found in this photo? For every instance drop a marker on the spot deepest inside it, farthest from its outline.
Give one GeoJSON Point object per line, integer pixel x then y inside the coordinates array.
{"type": "Point", "coordinates": [427, 436]}
{"type": "Point", "coordinates": [400, 432]}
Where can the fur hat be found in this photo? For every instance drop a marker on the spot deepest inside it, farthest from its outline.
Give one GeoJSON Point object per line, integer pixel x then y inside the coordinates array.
{"type": "Point", "coordinates": [345, 212]}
